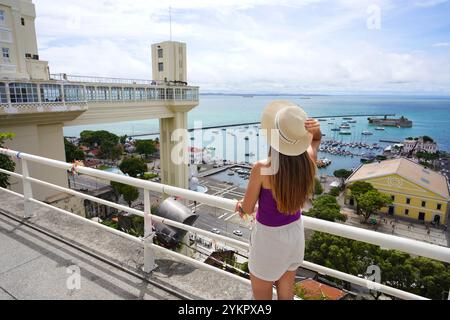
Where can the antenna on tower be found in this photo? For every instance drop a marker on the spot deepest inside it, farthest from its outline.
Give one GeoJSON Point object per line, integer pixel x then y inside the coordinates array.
{"type": "Point", "coordinates": [170, 21]}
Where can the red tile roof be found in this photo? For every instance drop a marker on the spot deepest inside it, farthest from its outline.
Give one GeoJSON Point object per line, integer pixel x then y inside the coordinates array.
{"type": "Point", "coordinates": [315, 290]}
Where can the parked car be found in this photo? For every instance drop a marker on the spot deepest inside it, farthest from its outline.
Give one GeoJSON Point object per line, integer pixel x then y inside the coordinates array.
{"type": "Point", "coordinates": [237, 233]}
{"type": "Point", "coordinates": [215, 230]}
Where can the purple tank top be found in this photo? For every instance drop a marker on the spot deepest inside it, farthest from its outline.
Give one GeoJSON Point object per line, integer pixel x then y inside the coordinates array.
{"type": "Point", "coordinates": [268, 213]}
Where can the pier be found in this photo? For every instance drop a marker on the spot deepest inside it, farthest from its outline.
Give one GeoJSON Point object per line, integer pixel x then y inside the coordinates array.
{"type": "Point", "coordinates": [256, 123]}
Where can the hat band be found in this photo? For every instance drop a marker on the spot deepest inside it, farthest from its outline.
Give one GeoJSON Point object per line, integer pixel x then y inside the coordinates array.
{"type": "Point", "coordinates": [282, 135]}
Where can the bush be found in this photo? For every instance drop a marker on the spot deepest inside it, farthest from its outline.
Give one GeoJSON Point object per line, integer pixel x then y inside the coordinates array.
{"type": "Point", "coordinates": [335, 191]}
{"type": "Point", "coordinates": [149, 175]}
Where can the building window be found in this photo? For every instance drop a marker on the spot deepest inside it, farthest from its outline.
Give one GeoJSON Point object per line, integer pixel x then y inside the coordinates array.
{"type": "Point", "coordinates": [116, 93]}
{"type": "Point", "coordinates": [439, 206]}
{"type": "Point", "coordinates": [3, 98]}
{"type": "Point", "coordinates": [51, 92]}
{"type": "Point", "coordinates": [128, 94]}
{"type": "Point", "coordinates": [22, 21]}
{"type": "Point", "coordinates": [160, 53]}
{"type": "Point", "coordinates": [408, 200]}
{"type": "Point", "coordinates": [5, 55]}
{"type": "Point", "coordinates": [91, 94]}
{"type": "Point", "coordinates": [74, 93]}
{"type": "Point", "coordinates": [393, 198]}
{"type": "Point", "coordinates": [102, 93]}
{"type": "Point", "coordinates": [406, 212]}
{"type": "Point", "coordinates": [160, 67]}
{"type": "Point", "coordinates": [2, 17]}
{"type": "Point", "coordinates": [140, 94]}
{"type": "Point", "coordinates": [23, 92]}
{"type": "Point", "coordinates": [151, 94]}
{"type": "Point", "coordinates": [424, 203]}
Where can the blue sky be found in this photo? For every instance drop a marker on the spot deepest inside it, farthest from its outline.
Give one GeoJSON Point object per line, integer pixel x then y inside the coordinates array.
{"type": "Point", "coordinates": [315, 46]}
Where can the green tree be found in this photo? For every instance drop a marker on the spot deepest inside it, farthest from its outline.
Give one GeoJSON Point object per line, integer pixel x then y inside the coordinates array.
{"type": "Point", "coordinates": [129, 193]}
{"type": "Point", "coordinates": [327, 208]}
{"type": "Point", "coordinates": [134, 167]}
{"type": "Point", "coordinates": [123, 139]}
{"type": "Point", "coordinates": [72, 151]}
{"type": "Point", "coordinates": [358, 188]}
{"type": "Point", "coordinates": [145, 147]}
{"type": "Point", "coordinates": [318, 189]}
{"type": "Point", "coordinates": [342, 174]}
{"type": "Point", "coordinates": [5, 162]}
{"type": "Point", "coordinates": [418, 275]}
{"type": "Point", "coordinates": [372, 201]}
{"type": "Point", "coordinates": [109, 150]}
{"type": "Point", "coordinates": [94, 139]}
{"type": "Point", "coordinates": [334, 191]}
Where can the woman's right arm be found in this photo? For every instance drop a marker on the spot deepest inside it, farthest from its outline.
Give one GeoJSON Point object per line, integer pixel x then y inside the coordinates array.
{"type": "Point", "coordinates": [313, 126]}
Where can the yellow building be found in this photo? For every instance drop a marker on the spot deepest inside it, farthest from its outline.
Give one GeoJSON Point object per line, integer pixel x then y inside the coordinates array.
{"type": "Point", "coordinates": [417, 193]}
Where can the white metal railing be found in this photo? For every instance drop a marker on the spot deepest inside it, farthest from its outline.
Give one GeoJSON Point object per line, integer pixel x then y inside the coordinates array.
{"type": "Point", "coordinates": [372, 237]}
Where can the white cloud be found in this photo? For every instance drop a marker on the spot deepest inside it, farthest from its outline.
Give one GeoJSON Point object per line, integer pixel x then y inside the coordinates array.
{"type": "Point", "coordinates": [237, 45]}
{"type": "Point", "coordinates": [441, 44]}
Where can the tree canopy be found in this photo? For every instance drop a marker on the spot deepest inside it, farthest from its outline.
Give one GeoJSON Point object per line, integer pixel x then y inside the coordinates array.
{"type": "Point", "coordinates": [134, 167]}
{"type": "Point", "coordinates": [418, 275]}
{"type": "Point", "coordinates": [72, 151]}
{"type": "Point", "coordinates": [318, 189]}
{"type": "Point", "coordinates": [342, 174]}
{"type": "Point", "coordinates": [5, 162]}
{"type": "Point", "coordinates": [327, 208]}
{"type": "Point", "coordinates": [145, 147]}
{"type": "Point", "coordinates": [368, 199]}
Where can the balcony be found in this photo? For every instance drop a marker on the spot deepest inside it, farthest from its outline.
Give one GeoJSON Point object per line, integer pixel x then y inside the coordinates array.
{"type": "Point", "coordinates": [124, 251]}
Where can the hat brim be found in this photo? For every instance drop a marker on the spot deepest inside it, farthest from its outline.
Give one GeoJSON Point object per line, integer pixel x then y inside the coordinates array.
{"type": "Point", "coordinates": [268, 124]}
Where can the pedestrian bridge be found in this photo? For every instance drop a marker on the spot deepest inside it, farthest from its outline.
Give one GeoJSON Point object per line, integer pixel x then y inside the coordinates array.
{"type": "Point", "coordinates": [81, 100]}
{"type": "Point", "coordinates": [117, 253]}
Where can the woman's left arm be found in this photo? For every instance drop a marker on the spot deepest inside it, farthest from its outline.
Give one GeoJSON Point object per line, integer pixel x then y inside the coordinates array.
{"type": "Point", "coordinates": [252, 193]}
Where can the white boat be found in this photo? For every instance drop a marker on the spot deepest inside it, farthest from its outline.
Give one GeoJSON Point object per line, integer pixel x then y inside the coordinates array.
{"type": "Point", "coordinates": [367, 133]}
{"type": "Point", "coordinates": [230, 173]}
{"type": "Point", "coordinates": [379, 128]}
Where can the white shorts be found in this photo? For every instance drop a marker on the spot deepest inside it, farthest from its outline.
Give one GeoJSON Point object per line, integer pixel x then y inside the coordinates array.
{"type": "Point", "coordinates": [275, 250]}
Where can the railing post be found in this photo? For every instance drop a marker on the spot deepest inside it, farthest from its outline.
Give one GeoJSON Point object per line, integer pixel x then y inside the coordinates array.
{"type": "Point", "coordinates": [149, 257]}
{"type": "Point", "coordinates": [27, 190]}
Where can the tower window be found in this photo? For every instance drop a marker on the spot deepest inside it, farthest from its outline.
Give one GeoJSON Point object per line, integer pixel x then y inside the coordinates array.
{"type": "Point", "coordinates": [406, 212]}
{"type": "Point", "coordinates": [2, 17]}
{"type": "Point", "coordinates": [160, 53]}
{"type": "Point", "coordinates": [408, 201]}
{"type": "Point", "coordinates": [22, 21]}
{"type": "Point", "coordinates": [439, 206]}
{"type": "Point", "coordinates": [424, 204]}
{"type": "Point", "coordinates": [160, 67]}
{"type": "Point", "coordinates": [5, 55]}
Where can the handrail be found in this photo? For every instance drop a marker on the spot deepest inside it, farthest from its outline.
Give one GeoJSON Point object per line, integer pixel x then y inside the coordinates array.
{"type": "Point", "coordinates": [385, 241]}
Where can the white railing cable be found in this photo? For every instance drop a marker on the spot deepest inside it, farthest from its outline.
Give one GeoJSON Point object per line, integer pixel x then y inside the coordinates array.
{"type": "Point", "coordinates": [383, 240]}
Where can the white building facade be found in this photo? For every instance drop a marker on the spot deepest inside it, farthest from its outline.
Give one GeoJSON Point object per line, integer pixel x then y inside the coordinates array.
{"type": "Point", "coordinates": [19, 52]}
{"type": "Point", "coordinates": [419, 145]}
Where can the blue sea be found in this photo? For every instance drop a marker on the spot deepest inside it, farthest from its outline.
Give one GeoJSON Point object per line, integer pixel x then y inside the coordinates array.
{"type": "Point", "coordinates": [430, 116]}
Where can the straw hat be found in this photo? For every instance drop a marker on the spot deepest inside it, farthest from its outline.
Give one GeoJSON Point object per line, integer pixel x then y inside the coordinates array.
{"type": "Point", "coordinates": [289, 119]}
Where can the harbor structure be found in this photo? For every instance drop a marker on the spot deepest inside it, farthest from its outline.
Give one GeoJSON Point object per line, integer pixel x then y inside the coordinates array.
{"type": "Point", "coordinates": [417, 193]}
{"type": "Point", "coordinates": [401, 122]}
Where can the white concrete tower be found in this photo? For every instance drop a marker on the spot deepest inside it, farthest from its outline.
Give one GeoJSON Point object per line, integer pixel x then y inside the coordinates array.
{"type": "Point", "coordinates": [19, 53]}
{"type": "Point", "coordinates": [169, 61]}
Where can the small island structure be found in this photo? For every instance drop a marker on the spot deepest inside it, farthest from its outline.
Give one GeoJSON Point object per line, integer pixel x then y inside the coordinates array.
{"type": "Point", "coordinates": [401, 122]}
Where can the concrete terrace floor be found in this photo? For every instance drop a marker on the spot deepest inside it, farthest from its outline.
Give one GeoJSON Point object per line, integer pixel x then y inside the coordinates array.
{"type": "Point", "coordinates": [34, 265]}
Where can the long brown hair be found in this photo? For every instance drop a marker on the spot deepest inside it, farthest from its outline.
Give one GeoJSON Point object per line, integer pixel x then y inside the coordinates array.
{"type": "Point", "coordinates": [293, 182]}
